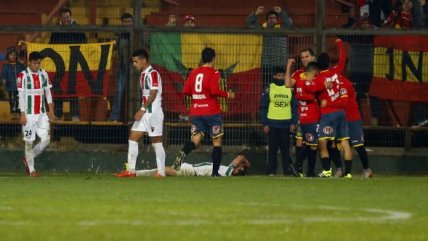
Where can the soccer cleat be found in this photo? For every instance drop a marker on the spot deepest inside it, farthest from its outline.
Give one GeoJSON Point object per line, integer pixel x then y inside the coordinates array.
{"type": "Point", "coordinates": [339, 173]}
{"type": "Point", "coordinates": [34, 174]}
{"type": "Point", "coordinates": [178, 161]}
{"type": "Point", "coordinates": [367, 173]}
{"type": "Point", "coordinates": [293, 171]}
{"type": "Point", "coordinates": [348, 176]}
{"type": "Point", "coordinates": [24, 161]}
{"type": "Point", "coordinates": [125, 174]}
{"type": "Point", "coordinates": [326, 174]}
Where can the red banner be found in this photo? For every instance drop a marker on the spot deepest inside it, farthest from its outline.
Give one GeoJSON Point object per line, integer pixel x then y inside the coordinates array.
{"type": "Point", "coordinates": [400, 70]}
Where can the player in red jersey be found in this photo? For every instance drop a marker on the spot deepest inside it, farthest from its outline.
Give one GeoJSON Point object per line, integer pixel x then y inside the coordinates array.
{"type": "Point", "coordinates": [309, 115]}
{"type": "Point", "coordinates": [333, 124]}
{"type": "Point", "coordinates": [203, 85]}
{"type": "Point", "coordinates": [306, 56]}
{"type": "Point", "coordinates": [34, 91]}
{"type": "Point", "coordinates": [355, 127]}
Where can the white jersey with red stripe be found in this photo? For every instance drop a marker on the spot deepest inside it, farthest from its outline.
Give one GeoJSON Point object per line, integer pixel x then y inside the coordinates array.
{"type": "Point", "coordinates": [33, 85]}
{"type": "Point", "coordinates": [150, 80]}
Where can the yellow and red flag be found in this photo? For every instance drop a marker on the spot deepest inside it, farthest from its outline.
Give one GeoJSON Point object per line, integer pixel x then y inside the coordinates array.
{"type": "Point", "coordinates": [76, 69]}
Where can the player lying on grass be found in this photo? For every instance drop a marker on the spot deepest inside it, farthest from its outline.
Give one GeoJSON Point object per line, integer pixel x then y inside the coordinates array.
{"type": "Point", "coordinates": [238, 167]}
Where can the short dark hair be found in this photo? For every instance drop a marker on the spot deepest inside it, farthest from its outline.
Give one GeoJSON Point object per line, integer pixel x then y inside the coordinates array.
{"type": "Point", "coordinates": [277, 70]}
{"type": "Point", "coordinates": [65, 10]}
{"type": "Point", "coordinates": [323, 61]}
{"type": "Point", "coordinates": [34, 56]}
{"type": "Point", "coordinates": [125, 16]}
{"type": "Point", "coordinates": [208, 55]}
{"type": "Point", "coordinates": [312, 66]}
{"type": "Point", "coordinates": [270, 13]}
{"type": "Point", "coordinates": [140, 53]}
{"type": "Point", "coordinates": [311, 51]}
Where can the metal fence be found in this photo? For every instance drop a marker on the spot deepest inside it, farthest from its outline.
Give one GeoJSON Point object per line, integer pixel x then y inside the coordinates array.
{"type": "Point", "coordinates": [175, 51]}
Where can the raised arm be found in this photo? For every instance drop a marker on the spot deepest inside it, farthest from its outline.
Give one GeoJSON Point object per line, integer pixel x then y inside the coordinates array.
{"type": "Point", "coordinates": [289, 82]}
{"type": "Point", "coordinates": [342, 57]}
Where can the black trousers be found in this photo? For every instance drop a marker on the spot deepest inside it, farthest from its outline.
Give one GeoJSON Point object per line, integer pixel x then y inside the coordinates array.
{"type": "Point", "coordinates": [278, 138]}
{"type": "Point", "coordinates": [375, 9]}
{"type": "Point", "coordinates": [14, 102]}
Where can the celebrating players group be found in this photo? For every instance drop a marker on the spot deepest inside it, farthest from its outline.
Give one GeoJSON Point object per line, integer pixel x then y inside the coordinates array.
{"type": "Point", "coordinates": [329, 118]}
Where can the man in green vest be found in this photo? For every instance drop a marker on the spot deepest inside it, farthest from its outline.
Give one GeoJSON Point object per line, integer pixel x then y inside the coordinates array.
{"type": "Point", "coordinates": [278, 114]}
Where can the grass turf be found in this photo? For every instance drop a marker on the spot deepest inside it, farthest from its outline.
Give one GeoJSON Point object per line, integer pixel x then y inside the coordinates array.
{"type": "Point", "coordinates": [81, 207]}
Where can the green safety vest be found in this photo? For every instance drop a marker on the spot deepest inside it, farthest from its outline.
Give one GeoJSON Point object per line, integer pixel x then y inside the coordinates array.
{"type": "Point", "coordinates": [279, 102]}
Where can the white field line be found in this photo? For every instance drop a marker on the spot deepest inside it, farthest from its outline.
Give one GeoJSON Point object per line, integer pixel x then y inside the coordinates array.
{"type": "Point", "coordinates": [365, 215]}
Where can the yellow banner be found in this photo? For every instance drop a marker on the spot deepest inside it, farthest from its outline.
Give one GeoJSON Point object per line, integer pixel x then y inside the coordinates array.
{"type": "Point", "coordinates": [230, 49]}
{"type": "Point", "coordinates": [57, 54]}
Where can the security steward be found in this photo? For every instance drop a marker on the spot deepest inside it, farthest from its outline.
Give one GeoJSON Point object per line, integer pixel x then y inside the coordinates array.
{"type": "Point", "coordinates": [278, 114]}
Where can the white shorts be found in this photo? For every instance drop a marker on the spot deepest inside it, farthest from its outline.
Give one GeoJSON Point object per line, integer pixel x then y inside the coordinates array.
{"type": "Point", "coordinates": [36, 124]}
{"type": "Point", "coordinates": [151, 123]}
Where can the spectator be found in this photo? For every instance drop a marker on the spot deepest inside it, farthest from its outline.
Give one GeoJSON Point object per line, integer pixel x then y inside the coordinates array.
{"type": "Point", "coordinates": [66, 20]}
{"type": "Point", "coordinates": [9, 73]}
{"type": "Point", "coordinates": [278, 114]}
{"type": "Point", "coordinates": [418, 14]}
{"type": "Point", "coordinates": [376, 8]}
{"type": "Point", "coordinates": [274, 46]}
{"type": "Point", "coordinates": [172, 21]}
{"type": "Point", "coordinates": [424, 6]}
{"type": "Point", "coordinates": [401, 16]}
{"type": "Point", "coordinates": [123, 47]}
{"type": "Point", "coordinates": [189, 21]}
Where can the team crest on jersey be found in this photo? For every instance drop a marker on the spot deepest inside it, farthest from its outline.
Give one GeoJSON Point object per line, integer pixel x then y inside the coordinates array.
{"type": "Point", "coordinates": [309, 137]}
{"type": "Point", "coordinates": [328, 130]}
{"type": "Point", "coordinates": [343, 91]}
{"type": "Point", "coordinates": [152, 128]}
{"type": "Point", "coordinates": [308, 82]}
{"type": "Point", "coordinates": [216, 129]}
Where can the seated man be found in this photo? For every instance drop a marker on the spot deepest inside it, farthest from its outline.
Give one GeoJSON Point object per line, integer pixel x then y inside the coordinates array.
{"type": "Point", "coordinates": [238, 167]}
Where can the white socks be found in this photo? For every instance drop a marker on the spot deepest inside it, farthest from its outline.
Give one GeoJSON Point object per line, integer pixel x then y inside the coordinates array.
{"type": "Point", "coordinates": [29, 155]}
{"type": "Point", "coordinates": [132, 158]}
{"type": "Point", "coordinates": [146, 173]}
{"type": "Point", "coordinates": [132, 155]}
{"type": "Point", "coordinates": [41, 146]}
{"type": "Point", "coordinates": [160, 157]}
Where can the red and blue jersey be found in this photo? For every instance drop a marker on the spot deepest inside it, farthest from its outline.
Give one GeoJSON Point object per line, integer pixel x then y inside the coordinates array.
{"type": "Point", "coordinates": [203, 85]}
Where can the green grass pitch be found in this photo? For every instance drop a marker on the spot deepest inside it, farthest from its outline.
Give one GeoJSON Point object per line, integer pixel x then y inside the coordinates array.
{"type": "Point", "coordinates": [80, 207]}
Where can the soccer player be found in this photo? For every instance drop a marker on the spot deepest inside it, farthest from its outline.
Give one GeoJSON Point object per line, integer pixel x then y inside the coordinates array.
{"type": "Point", "coordinates": [306, 56]}
{"type": "Point", "coordinates": [238, 167]}
{"type": "Point", "coordinates": [355, 127]}
{"type": "Point", "coordinates": [33, 89]}
{"type": "Point", "coordinates": [309, 114]}
{"type": "Point", "coordinates": [205, 112]}
{"type": "Point", "coordinates": [333, 98]}
{"type": "Point", "coordinates": [148, 120]}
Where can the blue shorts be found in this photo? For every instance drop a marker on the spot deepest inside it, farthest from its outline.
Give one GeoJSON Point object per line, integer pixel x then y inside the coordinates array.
{"type": "Point", "coordinates": [356, 135]}
{"type": "Point", "coordinates": [310, 134]}
{"type": "Point", "coordinates": [211, 124]}
{"type": "Point", "coordinates": [333, 126]}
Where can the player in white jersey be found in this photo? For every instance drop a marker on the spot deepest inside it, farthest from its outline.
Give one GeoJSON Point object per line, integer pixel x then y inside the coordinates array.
{"type": "Point", "coordinates": [33, 88]}
{"type": "Point", "coordinates": [149, 118]}
{"type": "Point", "coordinates": [238, 167]}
